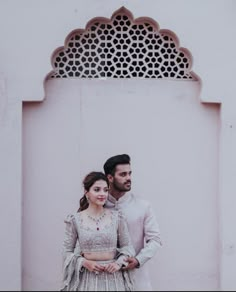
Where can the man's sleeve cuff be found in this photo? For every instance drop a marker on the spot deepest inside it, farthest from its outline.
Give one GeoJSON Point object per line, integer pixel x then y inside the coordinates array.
{"type": "Point", "coordinates": [138, 266]}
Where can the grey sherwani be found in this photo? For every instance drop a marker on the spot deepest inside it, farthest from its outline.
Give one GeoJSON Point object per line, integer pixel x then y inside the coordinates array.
{"type": "Point", "coordinates": [144, 232]}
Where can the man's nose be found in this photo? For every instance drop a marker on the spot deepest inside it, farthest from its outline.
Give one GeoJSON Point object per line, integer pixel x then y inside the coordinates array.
{"type": "Point", "coordinates": [129, 176]}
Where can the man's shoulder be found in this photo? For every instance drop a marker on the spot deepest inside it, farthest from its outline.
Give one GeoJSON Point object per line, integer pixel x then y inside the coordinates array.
{"type": "Point", "coordinates": [140, 200]}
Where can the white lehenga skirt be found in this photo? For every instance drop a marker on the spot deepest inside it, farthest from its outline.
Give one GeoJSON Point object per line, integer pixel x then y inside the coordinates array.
{"type": "Point", "coordinates": [104, 281]}
{"type": "Point", "coordinates": [77, 278]}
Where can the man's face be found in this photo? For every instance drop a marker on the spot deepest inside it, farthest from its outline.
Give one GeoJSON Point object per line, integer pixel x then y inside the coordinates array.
{"type": "Point", "coordinates": [122, 178]}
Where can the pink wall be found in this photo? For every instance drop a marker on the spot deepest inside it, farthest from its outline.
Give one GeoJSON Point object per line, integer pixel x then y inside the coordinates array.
{"type": "Point", "coordinates": [172, 139]}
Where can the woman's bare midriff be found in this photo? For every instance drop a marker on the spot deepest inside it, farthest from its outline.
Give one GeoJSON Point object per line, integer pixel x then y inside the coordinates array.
{"type": "Point", "coordinates": [99, 256]}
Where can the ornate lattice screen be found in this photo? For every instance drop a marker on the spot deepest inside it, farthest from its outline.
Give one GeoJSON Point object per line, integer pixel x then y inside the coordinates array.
{"type": "Point", "coordinates": [122, 47]}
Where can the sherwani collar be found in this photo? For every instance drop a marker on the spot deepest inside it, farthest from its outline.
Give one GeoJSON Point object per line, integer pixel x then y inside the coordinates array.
{"type": "Point", "coordinates": [121, 200]}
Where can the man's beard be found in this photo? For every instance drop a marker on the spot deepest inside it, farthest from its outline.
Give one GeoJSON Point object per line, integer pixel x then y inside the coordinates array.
{"type": "Point", "coordinates": [122, 188]}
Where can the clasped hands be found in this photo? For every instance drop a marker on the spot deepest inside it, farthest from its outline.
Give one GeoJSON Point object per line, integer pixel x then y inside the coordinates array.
{"type": "Point", "coordinates": [95, 267]}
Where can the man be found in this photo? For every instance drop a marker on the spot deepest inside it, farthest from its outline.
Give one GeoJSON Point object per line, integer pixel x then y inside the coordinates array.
{"type": "Point", "coordinates": [143, 227]}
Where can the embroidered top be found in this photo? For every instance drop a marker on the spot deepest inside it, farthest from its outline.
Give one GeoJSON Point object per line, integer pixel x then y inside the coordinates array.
{"type": "Point", "coordinates": [112, 236]}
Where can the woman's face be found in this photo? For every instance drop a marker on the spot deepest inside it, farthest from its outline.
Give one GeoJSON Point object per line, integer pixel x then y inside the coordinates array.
{"type": "Point", "coordinates": [98, 193]}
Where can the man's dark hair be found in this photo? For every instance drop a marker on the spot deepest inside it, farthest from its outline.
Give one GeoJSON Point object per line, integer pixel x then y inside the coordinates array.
{"type": "Point", "coordinates": [111, 163]}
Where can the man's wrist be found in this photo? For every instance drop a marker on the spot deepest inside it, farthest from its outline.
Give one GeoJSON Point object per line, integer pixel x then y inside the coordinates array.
{"type": "Point", "coordinates": [138, 265]}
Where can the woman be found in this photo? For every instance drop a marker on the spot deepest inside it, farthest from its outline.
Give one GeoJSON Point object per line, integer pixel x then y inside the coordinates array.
{"type": "Point", "coordinates": [96, 243]}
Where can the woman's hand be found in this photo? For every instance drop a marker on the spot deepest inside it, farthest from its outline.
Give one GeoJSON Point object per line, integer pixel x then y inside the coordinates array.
{"type": "Point", "coordinates": [93, 266]}
{"type": "Point", "coordinates": [112, 267]}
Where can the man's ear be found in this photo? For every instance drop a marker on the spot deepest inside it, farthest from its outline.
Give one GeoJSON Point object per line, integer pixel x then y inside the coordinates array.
{"type": "Point", "coordinates": [110, 178]}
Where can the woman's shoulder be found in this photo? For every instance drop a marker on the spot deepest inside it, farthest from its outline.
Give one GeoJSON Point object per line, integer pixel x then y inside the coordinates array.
{"type": "Point", "coordinates": [69, 218]}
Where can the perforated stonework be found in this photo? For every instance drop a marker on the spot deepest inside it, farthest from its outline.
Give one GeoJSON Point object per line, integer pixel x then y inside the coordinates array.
{"type": "Point", "coordinates": [121, 47]}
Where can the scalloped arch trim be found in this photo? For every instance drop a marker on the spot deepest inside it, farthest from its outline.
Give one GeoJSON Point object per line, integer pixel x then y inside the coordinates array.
{"type": "Point", "coordinates": [122, 47]}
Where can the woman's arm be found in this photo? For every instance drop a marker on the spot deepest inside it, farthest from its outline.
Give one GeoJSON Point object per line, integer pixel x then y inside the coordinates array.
{"type": "Point", "coordinates": [72, 260]}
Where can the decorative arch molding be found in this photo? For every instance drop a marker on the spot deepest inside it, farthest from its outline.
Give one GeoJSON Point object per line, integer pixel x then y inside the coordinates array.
{"type": "Point", "coordinates": [122, 47]}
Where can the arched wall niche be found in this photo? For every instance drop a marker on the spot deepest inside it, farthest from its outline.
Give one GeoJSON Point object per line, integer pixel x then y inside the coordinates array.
{"type": "Point", "coordinates": [164, 124]}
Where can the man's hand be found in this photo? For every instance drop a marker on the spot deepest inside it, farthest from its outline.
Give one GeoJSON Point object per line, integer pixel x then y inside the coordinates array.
{"type": "Point", "coordinates": [132, 264]}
